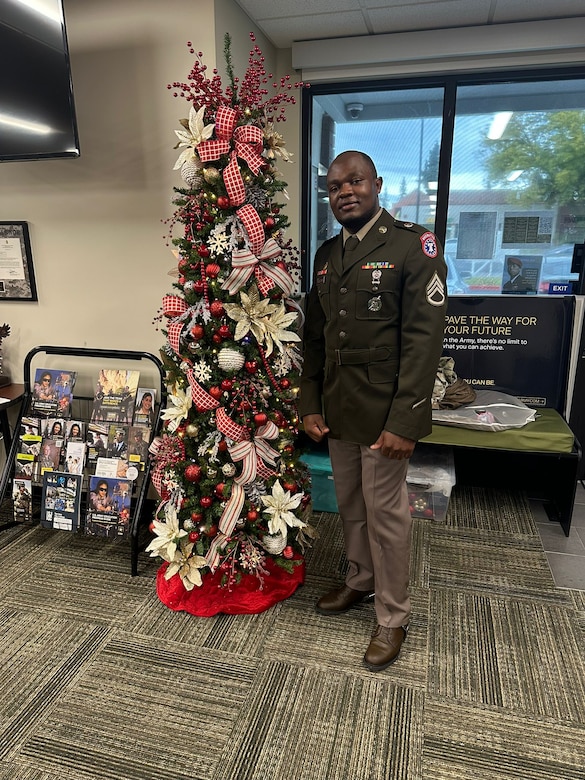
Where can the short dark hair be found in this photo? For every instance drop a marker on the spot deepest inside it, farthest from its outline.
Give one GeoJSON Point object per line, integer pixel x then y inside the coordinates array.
{"type": "Point", "coordinates": [365, 157]}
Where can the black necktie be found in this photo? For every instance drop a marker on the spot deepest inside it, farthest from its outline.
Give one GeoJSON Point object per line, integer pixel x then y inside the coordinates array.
{"type": "Point", "coordinates": [349, 247]}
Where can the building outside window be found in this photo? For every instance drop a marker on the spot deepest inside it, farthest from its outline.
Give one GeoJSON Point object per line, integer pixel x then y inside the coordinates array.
{"type": "Point", "coordinates": [494, 165]}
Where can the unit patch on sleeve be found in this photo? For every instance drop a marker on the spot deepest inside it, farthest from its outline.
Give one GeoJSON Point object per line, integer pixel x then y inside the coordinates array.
{"type": "Point", "coordinates": [429, 244]}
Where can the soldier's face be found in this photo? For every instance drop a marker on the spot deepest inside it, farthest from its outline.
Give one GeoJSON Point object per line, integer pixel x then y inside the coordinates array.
{"type": "Point", "coordinates": [353, 191]}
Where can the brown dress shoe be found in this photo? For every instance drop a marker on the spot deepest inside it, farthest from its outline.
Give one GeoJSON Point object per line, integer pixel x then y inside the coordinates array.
{"type": "Point", "coordinates": [384, 647]}
{"type": "Point", "coordinates": [340, 600]}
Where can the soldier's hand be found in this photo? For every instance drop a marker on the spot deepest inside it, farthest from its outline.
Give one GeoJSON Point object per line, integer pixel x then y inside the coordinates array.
{"type": "Point", "coordinates": [315, 427]}
{"type": "Point", "coordinates": [393, 446]}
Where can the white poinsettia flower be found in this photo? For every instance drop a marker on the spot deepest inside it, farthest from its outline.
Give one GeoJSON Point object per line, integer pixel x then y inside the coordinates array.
{"type": "Point", "coordinates": [186, 566]}
{"type": "Point", "coordinates": [275, 327]}
{"type": "Point", "coordinates": [190, 139]}
{"type": "Point", "coordinates": [251, 314]}
{"type": "Point", "coordinates": [181, 404]}
{"type": "Point", "coordinates": [279, 506]}
{"type": "Point", "coordinates": [168, 535]}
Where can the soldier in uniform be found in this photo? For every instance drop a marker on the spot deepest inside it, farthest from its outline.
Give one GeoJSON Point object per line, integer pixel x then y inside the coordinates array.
{"type": "Point", "coordinates": [372, 342]}
{"type": "Point", "coordinates": [516, 283]}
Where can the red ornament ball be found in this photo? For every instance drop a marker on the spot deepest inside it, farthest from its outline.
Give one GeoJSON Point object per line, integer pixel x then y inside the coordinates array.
{"type": "Point", "coordinates": [224, 331]}
{"type": "Point", "coordinates": [216, 309]}
{"type": "Point", "coordinates": [193, 472]}
{"type": "Point", "coordinates": [215, 392]}
{"type": "Point", "coordinates": [196, 517]}
{"type": "Point", "coordinates": [216, 338]}
{"type": "Point", "coordinates": [269, 222]}
{"type": "Point", "coordinates": [222, 445]}
{"type": "Point", "coordinates": [285, 383]}
{"type": "Point", "coordinates": [252, 515]}
{"type": "Point", "coordinates": [223, 202]}
{"type": "Point", "coordinates": [290, 486]}
{"type": "Point", "coordinates": [260, 419]}
{"type": "Point", "coordinates": [212, 270]}
{"type": "Point", "coordinates": [198, 331]}
{"type": "Point", "coordinates": [219, 489]}
{"type": "Point", "coordinates": [203, 251]}
{"type": "Point", "coordinates": [213, 531]}
{"type": "Point", "coordinates": [288, 552]}
{"type": "Point", "coordinates": [226, 384]}
{"type": "Point", "coordinates": [251, 366]}
{"type": "Point", "coordinates": [206, 501]}
{"type": "Point", "coordinates": [194, 536]}
{"type": "Point", "coordinates": [198, 286]}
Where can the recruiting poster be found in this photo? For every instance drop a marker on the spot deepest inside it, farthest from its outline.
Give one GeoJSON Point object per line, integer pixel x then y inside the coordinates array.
{"type": "Point", "coordinates": [516, 345]}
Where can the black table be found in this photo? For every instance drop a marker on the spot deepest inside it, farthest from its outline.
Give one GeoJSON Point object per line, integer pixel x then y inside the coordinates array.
{"type": "Point", "coordinates": [11, 395]}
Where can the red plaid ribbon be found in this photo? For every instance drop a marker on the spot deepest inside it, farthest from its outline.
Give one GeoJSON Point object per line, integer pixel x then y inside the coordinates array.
{"type": "Point", "coordinates": [248, 143]}
{"type": "Point", "coordinates": [254, 227]}
{"type": "Point", "coordinates": [228, 427]}
{"type": "Point", "coordinates": [225, 121]}
{"type": "Point", "coordinates": [174, 335]}
{"type": "Point", "coordinates": [173, 306]}
{"type": "Point", "coordinates": [201, 398]}
{"type": "Point", "coordinates": [233, 181]}
{"type": "Point", "coordinates": [245, 263]}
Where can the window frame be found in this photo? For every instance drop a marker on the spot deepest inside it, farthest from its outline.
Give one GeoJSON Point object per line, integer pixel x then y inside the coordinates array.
{"type": "Point", "coordinates": [449, 82]}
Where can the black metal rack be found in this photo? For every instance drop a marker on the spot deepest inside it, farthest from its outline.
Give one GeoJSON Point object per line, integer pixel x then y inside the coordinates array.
{"type": "Point", "coordinates": [82, 410]}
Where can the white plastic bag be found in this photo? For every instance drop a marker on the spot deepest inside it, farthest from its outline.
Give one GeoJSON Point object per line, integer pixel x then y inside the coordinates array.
{"type": "Point", "coordinates": [491, 411]}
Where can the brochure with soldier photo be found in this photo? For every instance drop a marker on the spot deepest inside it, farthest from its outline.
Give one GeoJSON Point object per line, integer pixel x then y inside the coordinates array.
{"type": "Point", "coordinates": [115, 396]}
{"type": "Point", "coordinates": [138, 441]}
{"type": "Point", "coordinates": [97, 441]}
{"type": "Point", "coordinates": [118, 442]}
{"type": "Point", "coordinates": [22, 500]}
{"type": "Point", "coordinates": [53, 392]}
{"type": "Point", "coordinates": [61, 500]}
{"type": "Point", "coordinates": [50, 455]}
{"type": "Point", "coordinates": [108, 507]}
{"type": "Point", "coordinates": [27, 458]}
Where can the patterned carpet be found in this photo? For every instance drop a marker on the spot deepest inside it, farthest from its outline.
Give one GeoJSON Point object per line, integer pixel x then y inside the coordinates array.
{"type": "Point", "coordinates": [99, 680]}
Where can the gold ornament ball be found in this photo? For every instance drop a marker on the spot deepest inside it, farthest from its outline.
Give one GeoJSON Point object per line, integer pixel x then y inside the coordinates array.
{"type": "Point", "coordinates": [192, 430]}
{"type": "Point", "coordinates": [210, 175]}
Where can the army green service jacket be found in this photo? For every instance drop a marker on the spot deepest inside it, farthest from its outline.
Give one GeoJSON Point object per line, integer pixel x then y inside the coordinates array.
{"type": "Point", "coordinates": [373, 334]}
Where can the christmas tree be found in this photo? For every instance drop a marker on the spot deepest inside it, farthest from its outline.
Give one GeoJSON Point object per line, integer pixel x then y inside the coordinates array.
{"type": "Point", "coordinates": [234, 517]}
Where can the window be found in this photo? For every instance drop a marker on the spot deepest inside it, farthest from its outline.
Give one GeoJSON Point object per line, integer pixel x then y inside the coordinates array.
{"type": "Point", "coordinates": [496, 167]}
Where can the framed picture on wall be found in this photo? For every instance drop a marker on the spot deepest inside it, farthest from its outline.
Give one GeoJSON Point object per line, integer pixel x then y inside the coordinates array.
{"type": "Point", "coordinates": [17, 277]}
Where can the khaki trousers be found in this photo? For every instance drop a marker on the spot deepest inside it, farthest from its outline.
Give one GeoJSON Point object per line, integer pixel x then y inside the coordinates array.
{"type": "Point", "coordinates": [373, 503]}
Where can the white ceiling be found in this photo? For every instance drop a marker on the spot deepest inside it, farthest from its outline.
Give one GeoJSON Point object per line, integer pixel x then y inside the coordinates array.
{"type": "Point", "coordinates": [286, 21]}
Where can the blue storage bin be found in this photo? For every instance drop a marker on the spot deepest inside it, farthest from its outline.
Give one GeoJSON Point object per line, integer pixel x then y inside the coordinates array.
{"type": "Point", "coordinates": [322, 485]}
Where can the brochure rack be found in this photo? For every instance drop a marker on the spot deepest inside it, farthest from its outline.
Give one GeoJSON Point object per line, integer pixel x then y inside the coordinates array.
{"type": "Point", "coordinates": [84, 361]}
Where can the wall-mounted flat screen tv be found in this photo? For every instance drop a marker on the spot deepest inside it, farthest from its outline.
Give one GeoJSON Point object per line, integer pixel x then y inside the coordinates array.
{"type": "Point", "coordinates": [37, 113]}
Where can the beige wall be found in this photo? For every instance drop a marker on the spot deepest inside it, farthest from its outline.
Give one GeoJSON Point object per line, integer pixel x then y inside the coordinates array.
{"type": "Point", "coordinates": [96, 223]}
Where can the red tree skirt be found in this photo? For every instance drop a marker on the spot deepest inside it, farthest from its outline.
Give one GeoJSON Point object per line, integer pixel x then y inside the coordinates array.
{"type": "Point", "coordinates": [245, 598]}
